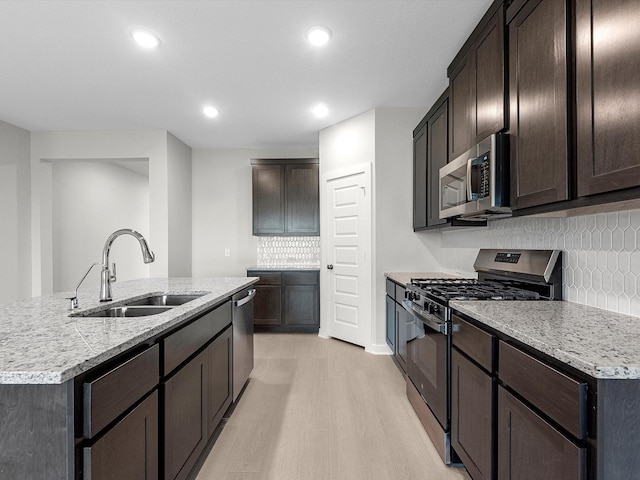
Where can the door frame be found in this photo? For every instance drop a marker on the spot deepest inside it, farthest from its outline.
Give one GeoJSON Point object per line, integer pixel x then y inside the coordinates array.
{"type": "Point", "coordinates": [368, 305]}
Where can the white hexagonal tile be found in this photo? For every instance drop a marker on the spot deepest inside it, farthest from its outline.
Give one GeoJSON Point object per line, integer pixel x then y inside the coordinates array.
{"type": "Point", "coordinates": [629, 240]}
{"type": "Point", "coordinates": [612, 261]}
{"type": "Point", "coordinates": [607, 282]}
{"type": "Point", "coordinates": [634, 262]}
{"type": "Point", "coordinates": [601, 300]}
{"type": "Point", "coordinates": [596, 240]}
{"type": "Point", "coordinates": [623, 219]}
{"type": "Point", "coordinates": [601, 260]}
{"type": "Point", "coordinates": [634, 219]}
{"type": "Point", "coordinates": [596, 280]}
{"type": "Point", "coordinates": [601, 221]}
{"type": "Point", "coordinates": [624, 260]}
{"type": "Point", "coordinates": [612, 220]}
{"type": "Point", "coordinates": [630, 284]}
{"type": "Point", "coordinates": [618, 283]}
{"type": "Point", "coordinates": [612, 302]}
{"type": "Point", "coordinates": [607, 239]}
{"type": "Point", "coordinates": [617, 240]}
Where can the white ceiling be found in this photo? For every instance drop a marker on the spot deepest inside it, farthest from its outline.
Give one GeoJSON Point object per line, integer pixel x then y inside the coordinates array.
{"type": "Point", "coordinates": [71, 65]}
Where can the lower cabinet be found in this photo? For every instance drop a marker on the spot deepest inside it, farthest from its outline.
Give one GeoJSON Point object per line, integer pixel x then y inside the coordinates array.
{"type": "Point", "coordinates": [472, 399]}
{"type": "Point", "coordinates": [185, 417]}
{"type": "Point", "coordinates": [398, 323]}
{"type": "Point", "coordinates": [286, 300]}
{"type": "Point", "coordinates": [219, 378]}
{"type": "Point", "coordinates": [129, 450]}
{"type": "Point", "coordinates": [529, 448]}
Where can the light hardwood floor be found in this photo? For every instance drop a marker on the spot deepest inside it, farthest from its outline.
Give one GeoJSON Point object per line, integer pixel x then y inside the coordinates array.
{"type": "Point", "coordinates": [318, 409]}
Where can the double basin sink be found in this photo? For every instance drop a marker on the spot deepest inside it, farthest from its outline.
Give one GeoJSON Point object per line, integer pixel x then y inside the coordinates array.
{"type": "Point", "coordinates": [143, 307]}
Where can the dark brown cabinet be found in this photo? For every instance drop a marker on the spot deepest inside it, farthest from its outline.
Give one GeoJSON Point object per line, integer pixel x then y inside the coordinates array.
{"type": "Point", "coordinates": [185, 417]}
{"type": "Point", "coordinates": [286, 199]}
{"type": "Point", "coordinates": [607, 72]}
{"type": "Point", "coordinates": [286, 300]}
{"type": "Point", "coordinates": [529, 448]}
{"type": "Point", "coordinates": [473, 399]}
{"type": "Point", "coordinates": [538, 102]}
{"type": "Point", "coordinates": [397, 323]}
{"type": "Point", "coordinates": [129, 450]}
{"type": "Point", "coordinates": [477, 94]}
{"type": "Point", "coordinates": [219, 378]}
{"type": "Point", "coordinates": [430, 153]}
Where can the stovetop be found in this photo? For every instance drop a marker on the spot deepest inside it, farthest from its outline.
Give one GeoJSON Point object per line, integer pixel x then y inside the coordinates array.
{"type": "Point", "coordinates": [471, 289]}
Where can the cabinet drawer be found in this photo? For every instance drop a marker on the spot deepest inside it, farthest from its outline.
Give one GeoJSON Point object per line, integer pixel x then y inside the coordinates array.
{"type": "Point", "coordinates": [185, 342]}
{"type": "Point", "coordinates": [560, 397]}
{"type": "Point", "coordinates": [400, 293]}
{"type": "Point", "coordinates": [266, 278]}
{"type": "Point", "coordinates": [300, 278]}
{"type": "Point", "coordinates": [476, 343]}
{"type": "Point", "coordinates": [391, 288]}
{"type": "Point", "coordinates": [108, 396]}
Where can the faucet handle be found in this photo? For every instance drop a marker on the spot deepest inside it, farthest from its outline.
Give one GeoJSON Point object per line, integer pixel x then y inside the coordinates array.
{"type": "Point", "coordinates": [112, 273]}
{"type": "Point", "coordinates": [73, 302]}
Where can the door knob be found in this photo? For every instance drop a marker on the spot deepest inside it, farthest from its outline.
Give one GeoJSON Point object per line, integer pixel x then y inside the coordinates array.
{"type": "Point", "coordinates": [330, 267]}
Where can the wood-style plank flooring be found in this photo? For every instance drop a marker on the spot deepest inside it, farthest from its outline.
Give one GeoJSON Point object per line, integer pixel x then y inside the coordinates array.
{"type": "Point", "coordinates": [318, 409]}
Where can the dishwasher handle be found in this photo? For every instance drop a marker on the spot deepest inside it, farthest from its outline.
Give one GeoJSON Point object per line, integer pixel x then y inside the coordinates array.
{"type": "Point", "coordinates": [245, 300]}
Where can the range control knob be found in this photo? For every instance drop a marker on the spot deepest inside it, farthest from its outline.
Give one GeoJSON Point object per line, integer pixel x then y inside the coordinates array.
{"type": "Point", "coordinates": [436, 309]}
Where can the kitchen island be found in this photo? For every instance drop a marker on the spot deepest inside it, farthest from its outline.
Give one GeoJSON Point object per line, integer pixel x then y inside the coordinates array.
{"type": "Point", "coordinates": [52, 363]}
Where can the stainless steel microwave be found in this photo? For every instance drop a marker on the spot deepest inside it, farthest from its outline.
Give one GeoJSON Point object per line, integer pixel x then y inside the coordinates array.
{"type": "Point", "coordinates": [476, 184]}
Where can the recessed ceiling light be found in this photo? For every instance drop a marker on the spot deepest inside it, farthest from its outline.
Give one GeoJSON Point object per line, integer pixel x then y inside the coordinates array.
{"type": "Point", "coordinates": [145, 38]}
{"type": "Point", "coordinates": [211, 112]}
{"type": "Point", "coordinates": [318, 36]}
{"type": "Point", "coordinates": [320, 110]}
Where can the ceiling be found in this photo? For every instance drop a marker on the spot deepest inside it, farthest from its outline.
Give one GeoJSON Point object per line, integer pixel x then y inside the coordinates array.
{"type": "Point", "coordinates": [71, 65]}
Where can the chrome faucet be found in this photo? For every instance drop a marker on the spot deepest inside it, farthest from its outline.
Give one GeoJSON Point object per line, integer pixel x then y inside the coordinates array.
{"type": "Point", "coordinates": [109, 275]}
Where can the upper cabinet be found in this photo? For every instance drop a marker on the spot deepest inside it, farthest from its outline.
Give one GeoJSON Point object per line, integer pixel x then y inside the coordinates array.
{"type": "Point", "coordinates": [538, 102]}
{"type": "Point", "coordinates": [430, 153]}
{"type": "Point", "coordinates": [608, 101]}
{"type": "Point", "coordinates": [477, 94]}
{"type": "Point", "coordinates": [286, 197]}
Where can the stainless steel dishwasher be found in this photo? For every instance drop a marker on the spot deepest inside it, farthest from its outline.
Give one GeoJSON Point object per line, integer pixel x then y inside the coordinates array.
{"type": "Point", "coordinates": [242, 338]}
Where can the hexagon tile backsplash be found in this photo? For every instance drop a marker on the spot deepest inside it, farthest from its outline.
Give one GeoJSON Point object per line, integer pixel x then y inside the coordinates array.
{"type": "Point", "coordinates": [601, 263]}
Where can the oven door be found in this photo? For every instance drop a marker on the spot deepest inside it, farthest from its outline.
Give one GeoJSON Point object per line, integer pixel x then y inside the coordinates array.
{"type": "Point", "coordinates": [428, 365]}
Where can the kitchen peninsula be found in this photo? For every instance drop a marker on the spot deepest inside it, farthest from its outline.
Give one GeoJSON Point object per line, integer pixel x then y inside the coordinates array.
{"type": "Point", "coordinates": [74, 389]}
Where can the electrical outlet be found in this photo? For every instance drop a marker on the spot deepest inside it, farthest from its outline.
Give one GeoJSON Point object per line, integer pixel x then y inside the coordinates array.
{"type": "Point", "coordinates": [227, 252]}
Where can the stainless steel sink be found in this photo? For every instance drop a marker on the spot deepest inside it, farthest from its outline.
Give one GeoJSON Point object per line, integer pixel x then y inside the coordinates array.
{"type": "Point", "coordinates": [151, 305]}
{"type": "Point", "coordinates": [163, 300]}
{"type": "Point", "coordinates": [128, 311]}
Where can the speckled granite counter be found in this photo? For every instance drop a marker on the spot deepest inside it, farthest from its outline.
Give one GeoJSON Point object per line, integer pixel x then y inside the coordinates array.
{"type": "Point", "coordinates": [41, 344]}
{"type": "Point", "coordinates": [600, 343]}
{"type": "Point", "coordinates": [405, 277]}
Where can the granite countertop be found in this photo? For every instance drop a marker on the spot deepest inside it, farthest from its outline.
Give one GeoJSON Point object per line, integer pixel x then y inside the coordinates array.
{"type": "Point", "coordinates": [405, 277]}
{"type": "Point", "coordinates": [600, 343]}
{"type": "Point", "coordinates": [41, 344]}
{"type": "Point", "coordinates": [288, 266]}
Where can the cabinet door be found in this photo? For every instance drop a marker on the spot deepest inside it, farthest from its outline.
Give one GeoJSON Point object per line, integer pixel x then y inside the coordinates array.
{"type": "Point", "coordinates": [301, 305]}
{"type": "Point", "coordinates": [129, 450]}
{"type": "Point", "coordinates": [460, 104]}
{"type": "Point", "coordinates": [185, 418]}
{"type": "Point", "coordinates": [472, 427]}
{"type": "Point", "coordinates": [391, 323]}
{"type": "Point", "coordinates": [219, 380]}
{"type": "Point", "coordinates": [303, 200]}
{"type": "Point", "coordinates": [266, 305]}
{"type": "Point", "coordinates": [420, 178]}
{"type": "Point", "coordinates": [437, 157]}
{"type": "Point", "coordinates": [608, 102]}
{"type": "Point", "coordinates": [538, 101]}
{"type": "Point", "coordinates": [488, 85]}
{"type": "Point", "coordinates": [268, 199]}
{"type": "Point", "coordinates": [402, 332]}
{"type": "Point", "coordinates": [530, 449]}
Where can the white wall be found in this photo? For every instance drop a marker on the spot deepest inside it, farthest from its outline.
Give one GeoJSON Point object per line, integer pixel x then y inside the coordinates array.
{"type": "Point", "coordinates": [179, 207]}
{"type": "Point", "coordinates": [397, 247]}
{"type": "Point", "coordinates": [222, 208]}
{"type": "Point", "coordinates": [52, 146]}
{"type": "Point", "coordinates": [382, 137]}
{"type": "Point", "coordinates": [82, 219]}
{"type": "Point", "coordinates": [15, 190]}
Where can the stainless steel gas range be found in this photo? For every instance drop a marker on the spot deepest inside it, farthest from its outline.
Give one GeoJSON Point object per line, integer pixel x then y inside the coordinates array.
{"type": "Point", "coordinates": [503, 275]}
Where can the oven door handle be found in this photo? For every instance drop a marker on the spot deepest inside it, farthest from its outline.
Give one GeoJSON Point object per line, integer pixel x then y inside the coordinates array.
{"type": "Point", "coordinates": [425, 317]}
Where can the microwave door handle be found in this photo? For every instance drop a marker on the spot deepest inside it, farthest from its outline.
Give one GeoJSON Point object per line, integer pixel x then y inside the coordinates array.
{"type": "Point", "coordinates": [469, 187]}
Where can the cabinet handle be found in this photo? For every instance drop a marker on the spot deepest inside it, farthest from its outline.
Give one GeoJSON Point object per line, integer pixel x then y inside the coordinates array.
{"type": "Point", "coordinates": [330, 267]}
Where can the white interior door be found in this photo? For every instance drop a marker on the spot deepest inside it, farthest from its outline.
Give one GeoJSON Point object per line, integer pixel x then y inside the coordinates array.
{"type": "Point", "coordinates": [346, 254]}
